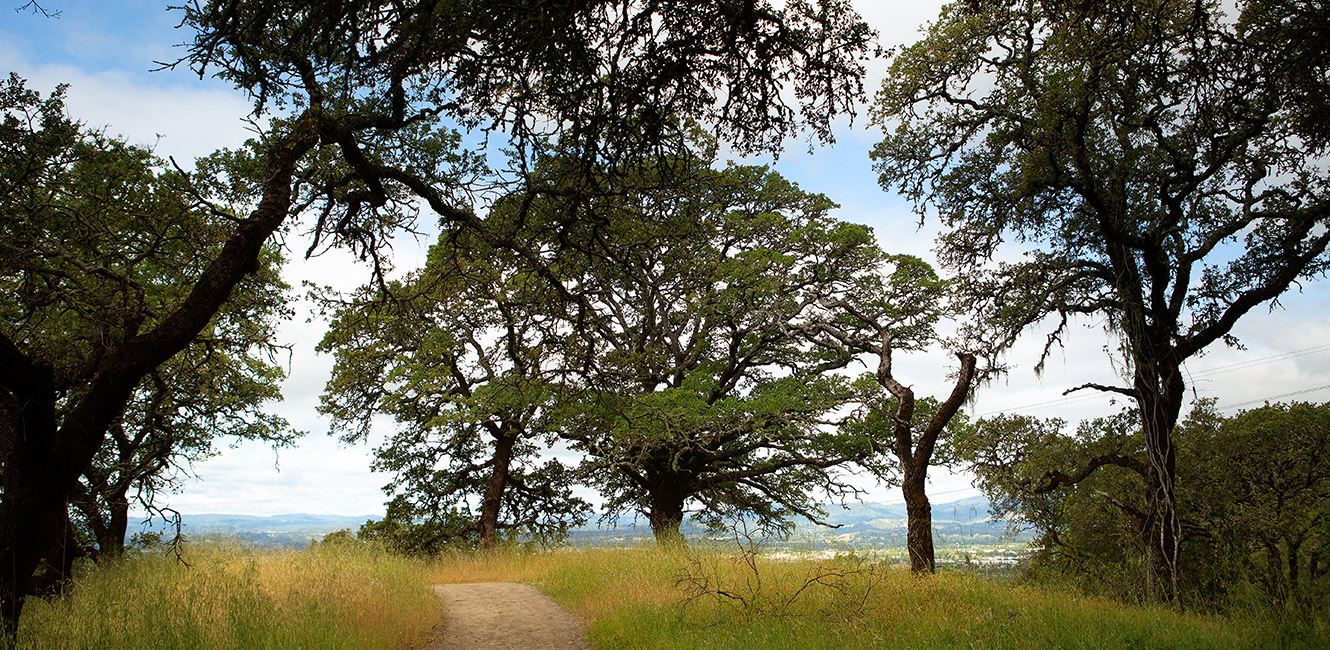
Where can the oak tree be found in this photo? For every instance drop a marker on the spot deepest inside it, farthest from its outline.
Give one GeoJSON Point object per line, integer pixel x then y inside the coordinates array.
{"type": "Point", "coordinates": [696, 389]}
{"type": "Point", "coordinates": [100, 241]}
{"type": "Point", "coordinates": [1157, 164]}
{"type": "Point", "coordinates": [463, 355]}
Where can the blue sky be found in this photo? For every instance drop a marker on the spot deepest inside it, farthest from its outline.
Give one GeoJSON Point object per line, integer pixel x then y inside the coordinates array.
{"type": "Point", "coordinates": [106, 50]}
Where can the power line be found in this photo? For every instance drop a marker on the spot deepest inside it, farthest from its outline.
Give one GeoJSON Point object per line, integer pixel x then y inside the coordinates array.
{"type": "Point", "coordinates": [1240, 365]}
{"type": "Point", "coordinates": [1280, 396]}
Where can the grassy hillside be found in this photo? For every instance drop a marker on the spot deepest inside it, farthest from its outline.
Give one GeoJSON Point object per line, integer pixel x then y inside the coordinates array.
{"type": "Point", "coordinates": [352, 596]}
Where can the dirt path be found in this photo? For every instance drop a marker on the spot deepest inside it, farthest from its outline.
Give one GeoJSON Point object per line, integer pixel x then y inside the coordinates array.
{"type": "Point", "coordinates": [505, 616]}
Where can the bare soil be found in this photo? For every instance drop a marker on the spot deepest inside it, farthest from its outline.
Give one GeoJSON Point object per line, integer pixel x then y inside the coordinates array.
{"type": "Point", "coordinates": [505, 616]}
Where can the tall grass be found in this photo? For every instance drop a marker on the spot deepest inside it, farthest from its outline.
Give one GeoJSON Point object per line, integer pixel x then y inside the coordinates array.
{"type": "Point", "coordinates": [634, 599]}
{"type": "Point", "coordinates": [347, 596]}
{"type": "Point", "coordinates": [353, 596]}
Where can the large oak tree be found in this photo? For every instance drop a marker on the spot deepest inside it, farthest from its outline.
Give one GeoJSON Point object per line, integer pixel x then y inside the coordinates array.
{"type": "Point", "coordinates": [464, 355]}
{"type": "Point", "coordinates": [696, 390]}
{"type": "Point", "coordinates": [1159, 165]}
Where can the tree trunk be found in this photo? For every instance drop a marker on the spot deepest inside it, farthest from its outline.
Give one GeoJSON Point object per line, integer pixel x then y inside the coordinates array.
{"type": "Point", "coordinates": [1293, 560]}
{"type": "Point", "coordinates": [666, 516]}
{"type": "Point", "coordinates": [493, 499]}
{"type": "Point", "coordinates": [111, 540]}
{"type": "Point", "coordinates": [57, 563]}
{"type": "Point", "coordinates": [32, 505]}
{"type": "Point", "coordinates": [1159, 393]}
{"type": "Point", "coordinates": [919, 512]}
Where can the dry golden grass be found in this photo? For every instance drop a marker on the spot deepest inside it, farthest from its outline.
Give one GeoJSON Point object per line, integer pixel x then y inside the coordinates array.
{"type": "Point", "coordinates": [342, 596]}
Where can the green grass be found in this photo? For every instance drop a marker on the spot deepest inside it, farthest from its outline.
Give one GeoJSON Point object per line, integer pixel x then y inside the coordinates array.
{"type": "Point", "coordinates": [343, 596]}
{"type": "Point", "coordinates": [352, 596]}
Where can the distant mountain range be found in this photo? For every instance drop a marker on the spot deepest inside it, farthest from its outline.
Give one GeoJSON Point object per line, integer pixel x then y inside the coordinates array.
{"type": "Point", "coordinates": [966, 521]}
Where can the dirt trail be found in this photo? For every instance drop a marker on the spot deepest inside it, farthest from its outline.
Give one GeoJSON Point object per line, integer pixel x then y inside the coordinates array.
{"type": "Point", "coordinates": [505, 616]}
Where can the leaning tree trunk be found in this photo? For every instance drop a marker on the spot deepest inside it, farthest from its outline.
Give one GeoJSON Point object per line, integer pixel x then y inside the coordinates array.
{"type": "Point", "coordinates": [915, 456]}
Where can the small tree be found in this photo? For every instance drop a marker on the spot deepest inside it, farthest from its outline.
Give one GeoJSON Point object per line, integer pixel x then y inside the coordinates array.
{"type": "Point", "coordinates": [879, 316]}
{"type": "Point", "coordinates": [1263, 492]}
{"type": "Point", "coordinates": [1256, 491]}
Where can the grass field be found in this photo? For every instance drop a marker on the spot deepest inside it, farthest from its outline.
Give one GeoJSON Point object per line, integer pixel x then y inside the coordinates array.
{"type": "Point", "coordinates": [352, 596]}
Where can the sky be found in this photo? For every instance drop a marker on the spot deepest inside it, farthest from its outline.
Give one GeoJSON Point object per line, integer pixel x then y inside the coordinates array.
{"type": "Point", "coordinates": [109, 53]}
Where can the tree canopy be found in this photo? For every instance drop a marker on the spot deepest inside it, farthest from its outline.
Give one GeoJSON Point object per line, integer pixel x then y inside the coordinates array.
{"type": "Point", "coordinates": [1254, 490]}
{"type": "Point", "coordinates": [99, 243]}
{"type": "Point", "coordinates": [695, 385]}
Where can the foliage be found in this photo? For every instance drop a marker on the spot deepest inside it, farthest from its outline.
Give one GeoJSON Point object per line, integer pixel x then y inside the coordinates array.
{"type": "Point", "coordinates": [607, 73]}
{"type": "Point", "coordinates": [1093, 529]}
{"type": "Point", "coordinates": [1262, 486]}
{"type": "Point", "coordinates": [1154, 160]}
{"type": "Point", "coordinates": [99, 240]}
{"type": "Point", "coordinates": [365, 85]}
{"type": "Point", "coordinates": [214, 388]}
{"type": "Point", "coordinates": [462, 356]}
{"type": "Point", "coordinates": [1256, 488]}
{"type": "Point", "coordinates": [695, 388]}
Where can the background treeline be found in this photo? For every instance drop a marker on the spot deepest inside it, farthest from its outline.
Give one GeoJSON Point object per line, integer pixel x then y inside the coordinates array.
{"type": "Point", "coordinates": [1254, 489]}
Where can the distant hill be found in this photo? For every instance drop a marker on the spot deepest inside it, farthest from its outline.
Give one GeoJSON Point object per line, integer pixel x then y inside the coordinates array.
{"type": "Point", "coordinates": [276, 530]}
{"type": "Point", "coordinates": [880, 525]}
{"type": "Point", "coordinates": [964, 522]}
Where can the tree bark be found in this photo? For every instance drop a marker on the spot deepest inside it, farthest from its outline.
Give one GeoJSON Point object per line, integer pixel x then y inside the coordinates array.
{"type": "Point", "coordinates": [919, 536]}
{"type": "Point", "coordinates": [1293, 561]}
{"type": "Point", "coordinates": [111, 539]}
{"type": "Point", "coordinates": [666, 516]}
{"type": "Point", "coordinates": [32, 506]}
{"type": "Point", "coordinates": [492, 502]}
{"type": "Point", "coordinates": [1159, 394]}
{"type": "Point", "coordinates": [915, 456]}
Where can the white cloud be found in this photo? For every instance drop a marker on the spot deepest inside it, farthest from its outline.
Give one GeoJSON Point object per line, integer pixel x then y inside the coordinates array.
{"type": "Point", "coordinates": [182, 120]}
